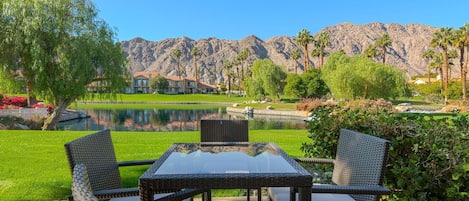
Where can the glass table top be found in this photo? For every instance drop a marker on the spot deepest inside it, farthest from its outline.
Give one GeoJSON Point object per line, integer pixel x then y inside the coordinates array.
{"type": "Point", "coordinates": [201, 158]}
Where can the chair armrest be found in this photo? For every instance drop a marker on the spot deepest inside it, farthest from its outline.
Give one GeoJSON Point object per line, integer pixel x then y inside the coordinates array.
{"type": "Point", "coordinates": [370, 190]}
{"type": "Point", "coordinates": [138, 162]}
{"type": "Point", "coordinates": [315, 160]}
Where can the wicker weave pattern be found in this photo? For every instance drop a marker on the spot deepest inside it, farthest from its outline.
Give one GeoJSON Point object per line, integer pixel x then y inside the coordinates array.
{"type": "Point", "coordinates": [96, 151]}
{"type": "Point", "coordinates": [81, 189]}
{"type": "Point", "coordinates": [360, 160]}
{"type": "Point", "coordinates": [212, 130]}
{"type": "Point", "coordinates": [358, 168]}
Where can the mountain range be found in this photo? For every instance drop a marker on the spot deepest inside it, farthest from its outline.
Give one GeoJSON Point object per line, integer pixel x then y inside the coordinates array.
{"type": "Point", "coordinates": [409, 41]}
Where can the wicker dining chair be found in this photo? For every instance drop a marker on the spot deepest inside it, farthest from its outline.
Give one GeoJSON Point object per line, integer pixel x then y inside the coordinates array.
{"type": "Point", "coordinates": [96, 152]}
{"type": "Point", "coordinates": [81, 189]}
{"type": "Point", "coordinates": [225, 130]}
{"type": "Point", "coordinates": [358, 170]}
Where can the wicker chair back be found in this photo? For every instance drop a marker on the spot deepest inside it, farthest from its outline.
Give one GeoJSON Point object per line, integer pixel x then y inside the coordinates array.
{"type": "Point", "coordinates": [223, 130]}
{"type": "Point", "coordinates": [360, 160]}
{"type": "Point", "coordinates": [96, 152]}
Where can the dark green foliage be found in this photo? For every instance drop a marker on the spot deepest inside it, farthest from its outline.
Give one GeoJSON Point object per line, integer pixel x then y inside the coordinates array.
{"type": "Point", "coordinates": [159, 84]}
{"type": "Point", "coordinates": [307, 85]}
{"type": "Point", "coordinates": [428, 158]}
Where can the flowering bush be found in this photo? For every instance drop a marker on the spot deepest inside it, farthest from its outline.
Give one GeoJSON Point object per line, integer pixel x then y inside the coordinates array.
{"type": "Point", "coordinates": [14, 102]}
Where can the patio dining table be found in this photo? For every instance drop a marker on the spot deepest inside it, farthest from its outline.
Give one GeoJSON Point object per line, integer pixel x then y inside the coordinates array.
{"type": "Point", "coordinates": [225, 166]}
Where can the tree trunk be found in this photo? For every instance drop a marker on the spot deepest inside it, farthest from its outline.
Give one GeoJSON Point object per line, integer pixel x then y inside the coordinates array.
{"type": "Point", "coordinates": [53, 119]}
{"type": "Point", "coordinates": [229, 86]}
{"type": "Point", "coordinates": [445, 63]}
{"type": "Point", "coordinates": [463, 77]}
{"type": "Point", "coordinates": [464, 81]}
{"type": "Point", "coordinates": [384, 54]}
{"type": "Point", "coordinates": [196, 77]}
{"type": "Point", "coordinates": [428, 74]}
{"type": "Point", "coordinates": [440, 71]}
{"type": "Point", "coordinates": [321, 59]}
{"type": "Point", "coordinates": [306, 58]}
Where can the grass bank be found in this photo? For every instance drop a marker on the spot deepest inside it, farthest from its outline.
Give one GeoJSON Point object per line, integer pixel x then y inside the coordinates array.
{"type": "Point", "coordinates": [34, 167]}
{"type": "Point", "coordinates": [179, 101]}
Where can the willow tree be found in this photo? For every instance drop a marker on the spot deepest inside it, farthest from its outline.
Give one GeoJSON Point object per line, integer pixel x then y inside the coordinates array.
{"type": "Point", "coordinates": [360, 77]}
{"type": "Point", "coordinates": [304, 38]}
{"type": "Point", "coordinates": [62, 49]}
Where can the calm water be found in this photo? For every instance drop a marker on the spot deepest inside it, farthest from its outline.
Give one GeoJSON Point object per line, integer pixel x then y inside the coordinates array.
{"type": "Point", "coordinates": [170, 120]}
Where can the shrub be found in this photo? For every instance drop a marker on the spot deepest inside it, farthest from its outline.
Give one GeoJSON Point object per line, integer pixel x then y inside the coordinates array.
{"type": "Point", "coordinates": [16, 101]}
{"type": "Point", "coordinates": [427, 158]}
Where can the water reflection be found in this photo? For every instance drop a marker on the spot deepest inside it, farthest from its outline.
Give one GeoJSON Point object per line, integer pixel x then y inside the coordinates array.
{"type": "Point", "coordinates": [169, 120]}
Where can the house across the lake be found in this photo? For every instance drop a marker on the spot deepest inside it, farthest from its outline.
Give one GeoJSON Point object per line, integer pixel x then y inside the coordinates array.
{"type": "Point", "coordinates": [185, 85]}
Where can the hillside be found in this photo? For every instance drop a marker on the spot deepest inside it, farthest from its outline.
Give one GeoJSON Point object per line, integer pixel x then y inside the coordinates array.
{"type": "Point", "coordinates": [409, 43]}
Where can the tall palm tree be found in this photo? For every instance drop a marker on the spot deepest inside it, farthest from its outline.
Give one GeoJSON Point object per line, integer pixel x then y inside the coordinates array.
{"type": "Point", "coordinates": [228, 69]}
{"type": "Point", "coordinates": [384, 41]}
{"type": "Point", "coordinates": [195, 53]}
{"type": "Point", "coordinates": [320, 44]}
{"type": "Point", "coordinates": [371, 51]}
{"type": "Point", "coordinates": [236, 64]}
{"type": "Point", "coordinates": [452, 54]}
{"type": "Point", "coordinates": [304, 38]}
{"type": "Point", "coordinates": [461, 41]}
{"type": "Point", "coordinates": [243, 57]}
{"type": "Point", "coordinates": [295, 55]}
{"type": "Point", "coordinates": [177, 54]}
{"type": "Point", "coordinates": [437, 63]}
{"type": "Point", "coordinates": [429, 54]}
{"type": "Point", "coordinates": [442, 39]}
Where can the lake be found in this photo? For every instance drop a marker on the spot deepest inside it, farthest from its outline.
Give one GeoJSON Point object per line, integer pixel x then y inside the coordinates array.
{"type": "Point", "coordinates": [171, 120]}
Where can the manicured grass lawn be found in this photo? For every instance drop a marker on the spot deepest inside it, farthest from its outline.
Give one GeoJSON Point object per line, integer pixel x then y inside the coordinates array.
{"type": "Point", "coordinates": [132, 98]}
{"type": "Point", "coordinates": [163, 101]}
{"type": "Point", "coordinates": [33, 165]}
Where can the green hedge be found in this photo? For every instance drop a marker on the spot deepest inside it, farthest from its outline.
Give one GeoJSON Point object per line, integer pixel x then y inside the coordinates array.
{"type": "Point", "coordinates": [428, 157]}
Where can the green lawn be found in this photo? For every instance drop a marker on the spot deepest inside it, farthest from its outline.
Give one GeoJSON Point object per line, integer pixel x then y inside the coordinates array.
{"type": "Point", "coordinates": [33, 164]}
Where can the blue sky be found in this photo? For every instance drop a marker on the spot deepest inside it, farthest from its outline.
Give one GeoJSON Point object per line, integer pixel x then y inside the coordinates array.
{"type": "Point", "coordinates": [157, 20]}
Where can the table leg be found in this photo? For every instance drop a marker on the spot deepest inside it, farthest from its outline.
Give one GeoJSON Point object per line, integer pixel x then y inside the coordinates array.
{"type": "Point", "coordinates": [304, 194]}
{"type": "Point", "coordinates": [145, 195]}
{"type": "Point", "coordinates": [207, 196]}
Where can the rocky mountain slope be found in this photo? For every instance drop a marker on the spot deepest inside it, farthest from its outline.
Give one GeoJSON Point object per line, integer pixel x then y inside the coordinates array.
{"type": "Point", "coordinates": [408, 44]}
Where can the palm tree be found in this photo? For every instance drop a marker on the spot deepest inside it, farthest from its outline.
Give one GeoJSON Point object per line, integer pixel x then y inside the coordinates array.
{"type": "Point", "coordinates": [442, 39]}
{"type": "Point", "coordinates": [384, 41]}
{"type": "Point", "coordinates": [371, 51]}
{"type": "Point", "coordinates": [195, 53]}
{"type": "Point", "coordinates": [322, 41]}
{"type": "Point", "coordinates": [429, 54]}
{"type": "Point", "coordinates": [437, 63]}
{"type": "Point", "coordinates": [295, 55]}
{"type": "Point", "coordinates": [304, 38]}
{"type": "Point", "coordinates": [228, 68]}
{"type": "Point", "coordinates": [177, 54]}
{"type": "Point", "coordinates": [243, 57]}
{"type": "Point", "coordinates": [461, 41]}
